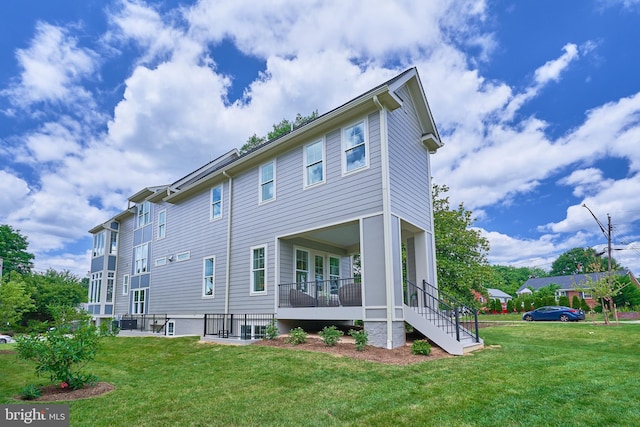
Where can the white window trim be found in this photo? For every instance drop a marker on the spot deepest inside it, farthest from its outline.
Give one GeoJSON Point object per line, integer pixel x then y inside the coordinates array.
{"type": "Point", "coordinates": [158, 236]}
{"type": "Point", "coordinates": [144, 301]}
{"type": "Point", "coordinates": [367, 150]}
{"type": "Point", "coordinates": [251, 270]}
{"type": "Point", "coordinates": [125, 284]}
{"type": "Point", "coordinates": [213, 276]}
{"type": "Point", "coordinates": [135, 259]}
{"type": "Point", "coordinates": [305, 163]}
{"type": "Point", "coordinates": [211, 218]}
{"type": "Point", "coordinates": [171, 328]}
{"type": "Point", "coordinates": [160, 261]}
{"type": "Point", "coordinates": [261, 182]}
{"type": "Point", "coordinates": [148, 220]}
{"type": "Point", "coordinates": [113, 250]}
{"type": "Point", "coordinates": [95, 288]}
{"type": "Point", "coordinates": [111, 283]}
{"type": "Point", "coordinates": [183, 256]}
{"type": "Point", "coordinates": [99, 243]}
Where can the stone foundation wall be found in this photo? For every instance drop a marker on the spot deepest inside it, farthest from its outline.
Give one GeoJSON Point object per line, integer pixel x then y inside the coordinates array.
{"type": "Point", "coordinates": [377, 332]}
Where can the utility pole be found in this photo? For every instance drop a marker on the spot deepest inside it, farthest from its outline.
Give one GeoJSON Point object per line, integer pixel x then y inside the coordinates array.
{"type": "Point", "coordinates": [607, 234]}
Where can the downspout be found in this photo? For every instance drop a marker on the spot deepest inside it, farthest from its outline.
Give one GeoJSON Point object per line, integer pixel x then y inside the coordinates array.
{"type": "Point", "coordinates": [227, 281]}
{"type": "Point", "coordinates": [386, 216]}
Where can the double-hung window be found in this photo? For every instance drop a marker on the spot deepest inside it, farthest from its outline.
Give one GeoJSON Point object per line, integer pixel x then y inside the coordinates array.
{"type": "Point", "coordinates": [258, 270]}
{"type": "Point", "coordinates": [267, 182]}
{"type": "Point", "coordinates": [98, 243]}
{"type": "Point", "coordinates": [143, 217]}
{"type": "Point", "coordinates": [354, 144]}
{"type": "Point", "coordinates": [162, 224]}
{"type": "Point", "coordinates": [216, 202]}
{"type": "Point", "coordinates": [314, 163]}
{"type": "Point", "coordinates": [208, 285]}
{"type": "Point", "coordinates": [141, 256]}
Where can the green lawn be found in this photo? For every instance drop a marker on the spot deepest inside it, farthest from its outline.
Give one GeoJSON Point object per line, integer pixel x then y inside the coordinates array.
{"type": "Point", "coordinates": [533, 374]}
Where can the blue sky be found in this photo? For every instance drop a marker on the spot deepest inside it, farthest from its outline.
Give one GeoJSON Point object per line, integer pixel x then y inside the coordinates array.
{"type": "Point", "coordinates": [538, 104]}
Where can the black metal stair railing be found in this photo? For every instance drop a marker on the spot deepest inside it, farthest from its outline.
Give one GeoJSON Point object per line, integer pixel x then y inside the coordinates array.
{"type": "Point", "coordinates": [449, 314]}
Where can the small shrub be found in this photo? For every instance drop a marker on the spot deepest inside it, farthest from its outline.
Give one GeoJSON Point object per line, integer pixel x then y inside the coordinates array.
{"type": "Point", "coordinates": [64, 350]}
{"type": "Point", "coordinates": [361, 337]}
{"type": "Point", "coordinates": [30, 392]}
{"type": "Point", "coordinates": [330, 335]}
{"type": "Point", "coordinates": [297, 336]}
{"type": "Point", "coordinates": [271, 332]}
{"type": "Point", "coordinates": [421, 347]}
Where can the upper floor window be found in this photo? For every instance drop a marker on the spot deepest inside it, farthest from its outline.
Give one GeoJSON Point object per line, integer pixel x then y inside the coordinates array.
{"type": "Point", "coordinates": [314, 163]}
{"type": "Point", "coordinates": [267, 182]}
{"type": "Point", "coordinates": [113, 245]}
{"type": "Point", "coordinates": [208, 284]}
{"type": "Point", "coordinates": [216, 202]}
{"type": "Point", "coordinates": [162, 224]}
{"type": "Point", "coordinates": [98, 243]}
{"type": "Point", "coordinates": [143, 217]}
{"type": "Point", "coordinates": [141, 256]}
{"type": "Point", "coordinates": [354, 142]}
{"type": "Point", "coordinates": [183, 256]}
{"type": "Point", "coordinates": [258, 270]}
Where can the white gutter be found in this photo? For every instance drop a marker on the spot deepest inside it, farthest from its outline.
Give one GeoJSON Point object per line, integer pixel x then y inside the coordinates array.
{"type": "Point", "coordinates": [386, 216]}
{"type": "Point", "coordinates": [227, 281]}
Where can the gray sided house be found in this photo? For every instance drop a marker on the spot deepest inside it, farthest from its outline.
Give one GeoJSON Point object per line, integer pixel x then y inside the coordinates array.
{"type": "Point", "coordinates": [307, 229]}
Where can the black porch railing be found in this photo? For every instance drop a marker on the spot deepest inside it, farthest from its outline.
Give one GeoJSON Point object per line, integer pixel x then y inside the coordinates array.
{"type": "Point", "coordinates": [449, 314]}
{"type": "Point", "coordinates": [243, 326]}
{"type": "Point", "coordinates": [155, 323]}
{"type": "Point", "coordinates": [321, 293]}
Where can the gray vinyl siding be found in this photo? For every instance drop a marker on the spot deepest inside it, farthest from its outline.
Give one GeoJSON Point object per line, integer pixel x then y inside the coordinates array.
{"type": "Point", "coordinates": [408, 165]}
{"type": "Point", "coordinates": [176, 288]}
{"type": "Point", "coordinates": [296, 209]}
{"type": "Point", "coordinates": [125, 254]}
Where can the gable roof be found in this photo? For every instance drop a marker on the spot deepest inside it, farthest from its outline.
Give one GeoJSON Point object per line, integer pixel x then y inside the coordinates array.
{"type": "Point", "coordinates": [570, 282]}
{"type": "Point", "coordinates": [384, 94]}
{"type": "Point", "coordinates": [497, 293]}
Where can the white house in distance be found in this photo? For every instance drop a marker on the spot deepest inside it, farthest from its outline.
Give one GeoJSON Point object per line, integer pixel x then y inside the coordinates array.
{"type": "Point", "coordinates": [274, 234]}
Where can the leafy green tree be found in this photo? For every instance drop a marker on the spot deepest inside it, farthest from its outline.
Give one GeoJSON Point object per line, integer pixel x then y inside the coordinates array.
{"type": "Point", "coordinates": [575, 302]}
{"type": "Point", "coordinates": [53, 289]}
{"type": "Point", "coordinates": [579, 261]}
{"type": "Point", "coordinates": [14, 301]}
{"type": "Point", "coordinates": [563, 301]}
{"type": "Point", "coordinates": [629, 295]}
{"type": "Point", "coordinates": [461, 251]}
{"type": "Point", "coordinates": [13, 251]}
{"type": "Point", "coordinates": [510, 306]}
{"type": "Point", "coordinates": [509, 279]}
{"type": "Point", "coordinates": [284, 127]}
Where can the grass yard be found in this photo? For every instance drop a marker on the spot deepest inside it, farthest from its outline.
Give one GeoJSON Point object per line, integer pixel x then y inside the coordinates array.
{"type": "Point", "coordinates": [534, 374]}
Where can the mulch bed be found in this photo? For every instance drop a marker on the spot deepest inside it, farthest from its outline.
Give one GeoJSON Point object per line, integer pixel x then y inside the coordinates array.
{"type": "Point", "coordinates": [53, 392]}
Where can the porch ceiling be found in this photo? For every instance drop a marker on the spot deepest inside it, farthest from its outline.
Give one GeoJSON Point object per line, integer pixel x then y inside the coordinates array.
{"type": "Point", "coordinates": [344, 235]}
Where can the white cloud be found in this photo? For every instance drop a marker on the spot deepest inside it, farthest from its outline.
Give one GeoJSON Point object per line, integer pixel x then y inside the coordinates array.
{"type": "Point", "coordinates": [551, 70]}
{"type": "Point", "coordinates": [13, 192]}
{"type": "Point", "coordinates": [51, 68]}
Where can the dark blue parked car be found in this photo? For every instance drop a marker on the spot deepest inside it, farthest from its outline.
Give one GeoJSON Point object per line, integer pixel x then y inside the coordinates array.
{"type": "Point", "coordinates": [563, 314]}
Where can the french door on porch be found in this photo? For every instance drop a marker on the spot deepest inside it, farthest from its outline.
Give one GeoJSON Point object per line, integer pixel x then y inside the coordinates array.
{"type": "Point", "coordinates": [322, 269]}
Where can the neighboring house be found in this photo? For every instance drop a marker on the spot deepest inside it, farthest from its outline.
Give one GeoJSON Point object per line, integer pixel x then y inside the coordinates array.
{"type": "Point", "coordinates": [272, 233]}
{"type": "Point", "coordinates": [503, 297]}
{"type": "Point", "coordinates": [571, 285]}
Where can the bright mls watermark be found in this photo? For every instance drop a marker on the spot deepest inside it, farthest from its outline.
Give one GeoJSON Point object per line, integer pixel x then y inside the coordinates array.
{"type": "Point", "coordinates": [34, 415]}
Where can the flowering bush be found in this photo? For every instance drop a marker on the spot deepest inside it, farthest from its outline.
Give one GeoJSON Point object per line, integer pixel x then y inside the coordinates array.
{"type": "Point", "coordinates": [65, 349]}
{"type": "Point", "coordinates": [361, 337]}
